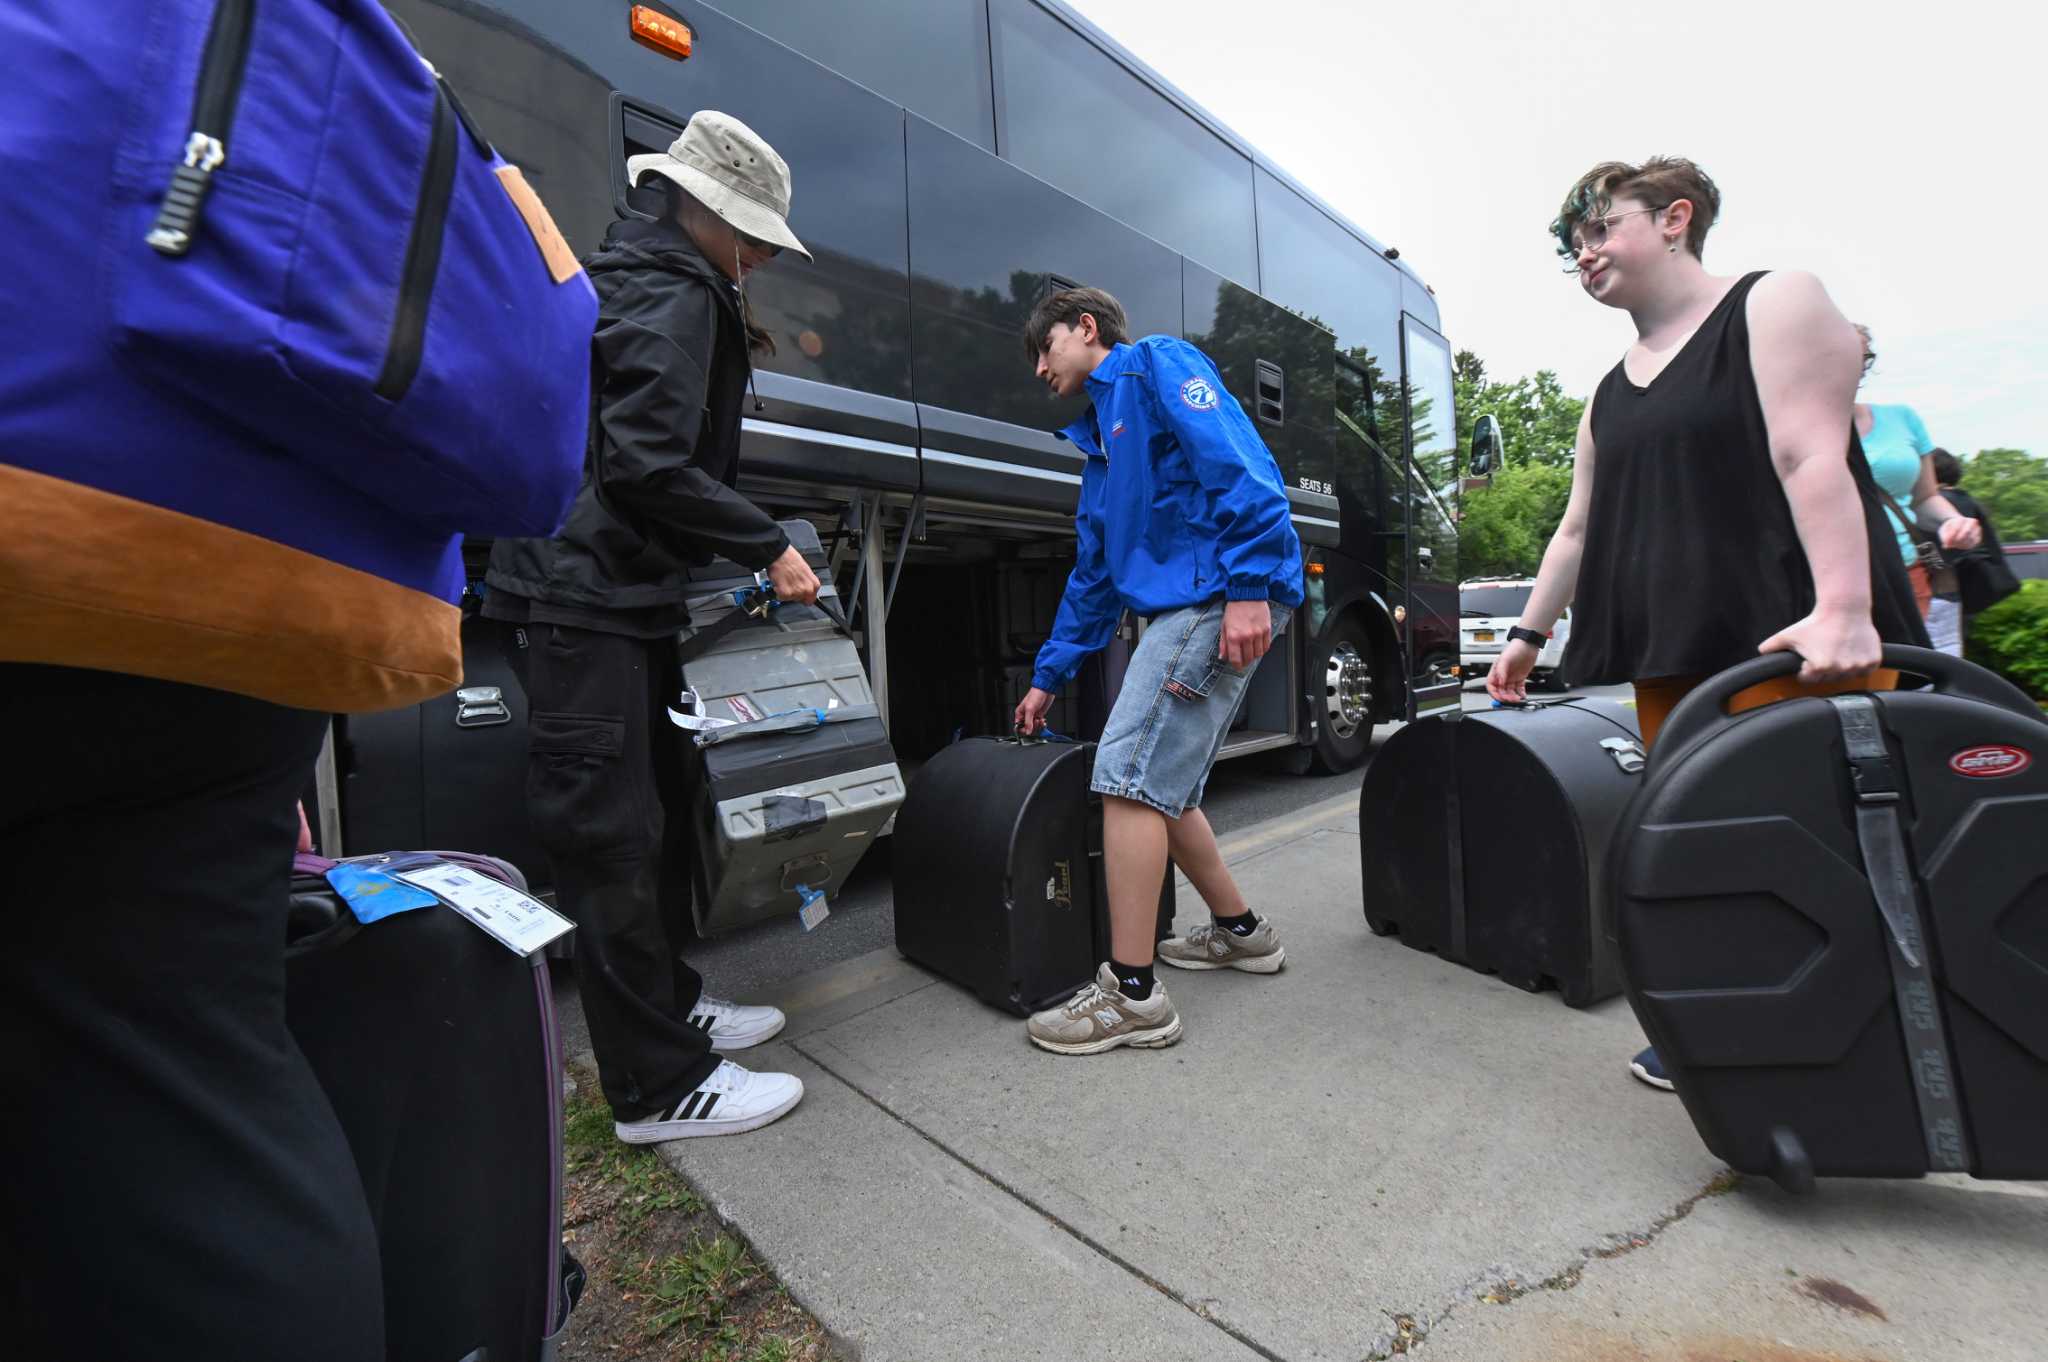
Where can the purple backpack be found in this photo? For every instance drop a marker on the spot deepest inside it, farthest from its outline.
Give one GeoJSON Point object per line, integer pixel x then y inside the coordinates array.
{"type": "Point", "coordinates": [315, 240]}
{"type": "Point", "coordinates": [269, 278]}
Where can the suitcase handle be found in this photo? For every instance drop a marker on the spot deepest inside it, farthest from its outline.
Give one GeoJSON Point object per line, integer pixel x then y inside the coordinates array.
{"type": "Point", "coordinates": [1950, 676]}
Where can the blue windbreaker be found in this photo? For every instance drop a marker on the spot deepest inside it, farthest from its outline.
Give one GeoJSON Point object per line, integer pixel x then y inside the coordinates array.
{"type": "Point", "coordinates": [1181, 502]}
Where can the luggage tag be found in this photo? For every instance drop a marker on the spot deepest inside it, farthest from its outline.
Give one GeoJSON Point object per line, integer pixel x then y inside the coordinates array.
{"type": "Point", "coordinates": [373, 894]}
{"type": "Point", "coordinates": [519, 922]}
{"type": "Point", "coordinates": [814, 910]}
{"type": "Point", "coordinates": [692, 718]}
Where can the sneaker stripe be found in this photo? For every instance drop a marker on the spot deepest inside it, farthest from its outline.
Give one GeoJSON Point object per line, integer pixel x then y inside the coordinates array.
{"type": "Point", "coordinates": [688, 1111]}
{"type": "Point", "coordinates": [710, 1101]}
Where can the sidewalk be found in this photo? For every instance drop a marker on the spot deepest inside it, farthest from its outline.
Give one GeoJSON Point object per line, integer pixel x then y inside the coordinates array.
{"type": "Point", "coordinates": [1373, 1152]}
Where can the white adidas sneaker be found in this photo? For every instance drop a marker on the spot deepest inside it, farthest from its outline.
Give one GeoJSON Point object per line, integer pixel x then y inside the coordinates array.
{"type": "Point", "coordinates": [732, 1026]}
{"type": "Point", "coordinates": [731, 1101]}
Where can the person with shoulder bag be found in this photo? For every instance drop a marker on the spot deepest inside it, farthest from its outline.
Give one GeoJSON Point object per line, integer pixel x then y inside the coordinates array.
{"type": "Point", "coordinates": [1900, 454]}
{"type": "Point", "coordinates": [258, 382]}
{"type": "Point", "coordinates": [1981, 575]}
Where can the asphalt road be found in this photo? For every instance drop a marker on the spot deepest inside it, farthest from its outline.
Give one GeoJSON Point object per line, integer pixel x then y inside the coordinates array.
{"type": "Point", "coordinates": [1241, 793]}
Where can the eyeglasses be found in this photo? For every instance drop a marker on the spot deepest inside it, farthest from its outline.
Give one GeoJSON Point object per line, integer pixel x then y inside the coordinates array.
{"type": "Point", "coordinates": [759, 247]}
{"type": "Point", "coordinates": [1592, 235]}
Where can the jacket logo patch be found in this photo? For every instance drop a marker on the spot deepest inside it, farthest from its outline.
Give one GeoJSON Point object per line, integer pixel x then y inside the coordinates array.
{"type": "Point", "coordinates": [1994, 759]}
{"type": "Point", "coordinates": [1116, 430]}
{"type": "Point", "coordinates": [1198, 393]}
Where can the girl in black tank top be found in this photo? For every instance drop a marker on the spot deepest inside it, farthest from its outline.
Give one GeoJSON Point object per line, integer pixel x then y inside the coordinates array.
{"type": "Point", "coordinates": [1680, 550]}
{"type": "Point", "coordinates": [1680, 536]}
{"type": "Point", "coordinates": [1691, 557]}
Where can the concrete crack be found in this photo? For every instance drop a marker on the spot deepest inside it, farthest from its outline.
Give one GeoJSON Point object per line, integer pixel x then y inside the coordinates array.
{"type": "Point", "coordinates": [1200, 1309]}
{"type": "Point", "coordinates": [1503, 1284]}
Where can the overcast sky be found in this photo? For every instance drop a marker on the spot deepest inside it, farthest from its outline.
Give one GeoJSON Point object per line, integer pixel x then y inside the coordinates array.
{"type": "Point", "coordinates": [1894, 150]}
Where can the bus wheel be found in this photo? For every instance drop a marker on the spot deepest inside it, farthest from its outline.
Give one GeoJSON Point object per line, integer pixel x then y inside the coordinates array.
{"type": "Point", "coordinates": [1342, 694]}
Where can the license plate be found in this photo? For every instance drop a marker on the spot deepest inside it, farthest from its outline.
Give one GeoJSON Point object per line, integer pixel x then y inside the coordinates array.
{"type": "Point", "coordinates": [1482, 635]}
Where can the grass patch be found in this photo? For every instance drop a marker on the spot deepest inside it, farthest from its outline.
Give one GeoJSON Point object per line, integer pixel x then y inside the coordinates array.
{"type": "Point", "coordinates": [668, 1282]}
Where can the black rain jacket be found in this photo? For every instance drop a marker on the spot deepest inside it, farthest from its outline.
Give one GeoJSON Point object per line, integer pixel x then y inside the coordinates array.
{"type": "Point", "coordinates": [669, 374]}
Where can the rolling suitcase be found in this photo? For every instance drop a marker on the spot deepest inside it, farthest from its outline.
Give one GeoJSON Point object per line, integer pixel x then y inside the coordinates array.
{"type": "Point", "coordinates": [997, 864]}
{"type": "Point", "coordinates": [1483, 837]}
{"type": "Point", "coordinates": [1833, 918]}
{"type": "Point", "coordinates": [438, 1049]}
{"type": "Point", "coordinates": [792, 773]}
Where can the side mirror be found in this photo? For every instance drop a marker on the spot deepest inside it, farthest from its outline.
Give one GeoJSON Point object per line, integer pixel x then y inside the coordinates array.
{"type": "Point", "coordinates": [1486, 446]}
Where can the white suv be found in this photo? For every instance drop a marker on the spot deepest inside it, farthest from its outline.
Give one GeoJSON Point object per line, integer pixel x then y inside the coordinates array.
{"type": "Point", "coordinates": [1490, 606]}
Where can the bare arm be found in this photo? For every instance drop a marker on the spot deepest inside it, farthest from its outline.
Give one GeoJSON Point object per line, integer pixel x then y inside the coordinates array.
{"type": "Point", "coordinates": [1958, 531]}
{"type": "Point", "coordinates": [1806, 358]}
{"type": "Point", "coordinates": [1557, 580]}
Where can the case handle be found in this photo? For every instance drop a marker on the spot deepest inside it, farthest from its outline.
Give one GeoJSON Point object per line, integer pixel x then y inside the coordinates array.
{"type": "Point", "coordinates": [1708, 702]}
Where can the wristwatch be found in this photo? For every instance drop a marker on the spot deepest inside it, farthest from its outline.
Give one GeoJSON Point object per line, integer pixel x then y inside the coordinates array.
{"type": "Point", "coordinates": [1528, 636]}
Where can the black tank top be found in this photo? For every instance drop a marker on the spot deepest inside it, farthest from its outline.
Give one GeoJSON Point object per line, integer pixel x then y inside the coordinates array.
{"type": "Point", "coordinates": [1691, 556]}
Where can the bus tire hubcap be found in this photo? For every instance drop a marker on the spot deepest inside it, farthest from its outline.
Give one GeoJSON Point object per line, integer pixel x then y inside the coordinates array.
{"type": "Point", "coordinates": [1347, 691]}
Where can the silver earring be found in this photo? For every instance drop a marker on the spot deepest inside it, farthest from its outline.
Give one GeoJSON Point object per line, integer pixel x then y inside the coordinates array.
{"type": "Point", "coordinates": [1672, 248]}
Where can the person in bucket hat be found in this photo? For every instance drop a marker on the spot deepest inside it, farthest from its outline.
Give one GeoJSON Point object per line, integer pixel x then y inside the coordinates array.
{"type": "Point", "coordinates": [724, 165]}
{"type": "Point", "coordinates": [591, 618]}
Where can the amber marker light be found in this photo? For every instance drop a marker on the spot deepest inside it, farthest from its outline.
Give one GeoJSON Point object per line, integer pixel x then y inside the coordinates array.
{"type": "Point", "coordinates": [652, 28]}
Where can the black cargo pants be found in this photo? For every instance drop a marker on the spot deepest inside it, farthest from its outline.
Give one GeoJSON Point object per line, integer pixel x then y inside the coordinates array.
{"type": "Point", "coordinates": [603, 769]}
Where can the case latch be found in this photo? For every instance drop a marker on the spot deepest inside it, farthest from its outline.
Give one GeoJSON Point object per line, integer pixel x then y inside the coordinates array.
{"type": "Point", "coordinates": [1627, 754]}
{"type": "Point", "coordinates": [480, 707]}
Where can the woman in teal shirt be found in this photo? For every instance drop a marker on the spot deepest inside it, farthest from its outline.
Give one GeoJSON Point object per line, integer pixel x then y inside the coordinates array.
{"type": "Point", "coordinates": [1900, 456]}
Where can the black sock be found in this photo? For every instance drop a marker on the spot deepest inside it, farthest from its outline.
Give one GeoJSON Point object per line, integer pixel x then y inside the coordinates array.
{"type": "Point", "coordinates": [1244, 924]}
{"type": "Point", "coordinates": [1134, 980]}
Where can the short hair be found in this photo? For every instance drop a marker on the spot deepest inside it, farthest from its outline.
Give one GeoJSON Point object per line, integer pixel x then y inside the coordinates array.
{"type": "Point", "coordinates": [1948, 469]}
{"type": "Point", "coordinates": [1063, 307]}
{"type": "Point", "coordinates": [1869, 346]}
{"type": "Point", "coordinates": [1658, 182]}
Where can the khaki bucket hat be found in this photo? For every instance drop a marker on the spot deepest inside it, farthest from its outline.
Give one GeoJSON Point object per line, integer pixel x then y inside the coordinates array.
{"type": "Point", "coordinates": [726, 166]}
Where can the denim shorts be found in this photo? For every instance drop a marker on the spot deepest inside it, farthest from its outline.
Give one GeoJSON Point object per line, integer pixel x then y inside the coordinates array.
{"type": "Point", "coordinates": [1174, 710]}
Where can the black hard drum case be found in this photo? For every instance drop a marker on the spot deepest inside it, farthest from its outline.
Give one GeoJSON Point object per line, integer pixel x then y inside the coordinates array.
{"type": "Point", "coordinates": [437, 1048]}
{"type": "Point", "coordinates": [1809, 1029]}
{"type": "Point", "coordinates": [997, 862]}
{"type": "Point", "coordinates": [450, 772]}
{"type": "Point", "coordinates": [1483, 837]}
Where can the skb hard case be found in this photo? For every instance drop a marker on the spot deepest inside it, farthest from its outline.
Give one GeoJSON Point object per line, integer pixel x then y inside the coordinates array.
{"type": "Point", "coordinates": [1483, 837]}
{"type": "Point", "coordinates": [1833, 918]}
{"type": "Point", "coordinates": [997, 863]}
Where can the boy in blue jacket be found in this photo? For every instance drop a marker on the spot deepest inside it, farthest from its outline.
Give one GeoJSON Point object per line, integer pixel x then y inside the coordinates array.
{"type": "Point", "coordinates": [1183, 519]}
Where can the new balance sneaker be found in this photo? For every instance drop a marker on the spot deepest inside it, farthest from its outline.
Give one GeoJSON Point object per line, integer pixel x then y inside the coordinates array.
{"type": "Point", "coordinates": [1100, 1018]}
{"type": "Point", "coordinates": [1650, 1069]}
{"type": "Point", "coordinates": [733, 1027]}
{"type": "Point", "coordinates": [1211, 947]}
{"type": "Point", "coordinates": [732, 1100]}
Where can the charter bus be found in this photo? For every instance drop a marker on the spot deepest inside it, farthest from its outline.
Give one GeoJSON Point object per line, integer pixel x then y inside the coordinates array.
{"type": "Point", "coordinates": [953, 160]}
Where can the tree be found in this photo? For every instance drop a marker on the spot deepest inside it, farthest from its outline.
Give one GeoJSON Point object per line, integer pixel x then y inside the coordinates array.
{"type": "Point", "coordinates": [2012, 486]}
{"type": "Point", "coordinates": [1506, 526]}
{"type": "Point", "coordinates": [1538, 423]}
